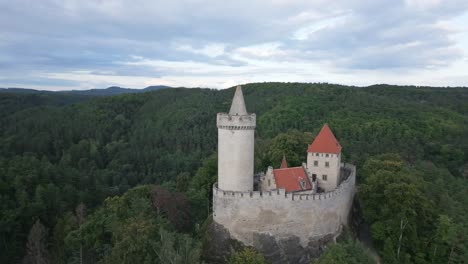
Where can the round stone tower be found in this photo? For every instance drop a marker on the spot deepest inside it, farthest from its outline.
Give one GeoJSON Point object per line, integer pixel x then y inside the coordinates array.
{"type": "Point", "coordinates": [236, 131]}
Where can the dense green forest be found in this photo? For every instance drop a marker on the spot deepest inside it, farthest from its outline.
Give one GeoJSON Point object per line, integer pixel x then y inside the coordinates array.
{"type": "Point", "coordinates": [127, 178]}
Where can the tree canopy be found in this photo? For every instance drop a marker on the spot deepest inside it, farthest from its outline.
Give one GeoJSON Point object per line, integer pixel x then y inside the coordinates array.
{"type": "Point", "coordinates": [57, 152]}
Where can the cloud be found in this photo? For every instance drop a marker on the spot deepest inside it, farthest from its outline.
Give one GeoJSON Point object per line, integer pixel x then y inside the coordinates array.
{"type": "Point", "coordinates": [211, 43]}
{"type": "Point", "coordinates": [211, 50]}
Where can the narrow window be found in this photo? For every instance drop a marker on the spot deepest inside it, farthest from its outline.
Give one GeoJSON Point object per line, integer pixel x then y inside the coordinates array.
{"type": "Point", "coordinates": [314, 177]}
{"type": "Point", "coordinates": [324, 177]}
{"type": "Point", "coordinates": [327, 164]}
{"type": "Point", "coordinates": [315, 163]}
{"type": "Point", "coordinates": [302, 183]}
{"type": "Point", "coordinates": [269, 182]}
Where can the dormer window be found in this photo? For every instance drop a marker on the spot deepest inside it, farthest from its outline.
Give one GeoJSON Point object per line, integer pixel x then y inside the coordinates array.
{"type": "Point", "coordinates": [302, 183]}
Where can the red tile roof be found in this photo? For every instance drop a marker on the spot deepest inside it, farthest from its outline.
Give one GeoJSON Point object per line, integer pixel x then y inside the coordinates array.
{"type": "Point", "coordinates": [284, 164]}
{"type": "Point", "coordinates": [325, 142]}
{"type": "Point", "coordinates": [289, 179]}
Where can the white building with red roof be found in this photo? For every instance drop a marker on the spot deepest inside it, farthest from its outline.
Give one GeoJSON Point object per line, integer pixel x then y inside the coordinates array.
{"type": "Point", "coordinates": [324, 160]}
{"type": "Point", "coordinates": [291, 179]}
{"type": "Point", "coordinates": [322, 172]}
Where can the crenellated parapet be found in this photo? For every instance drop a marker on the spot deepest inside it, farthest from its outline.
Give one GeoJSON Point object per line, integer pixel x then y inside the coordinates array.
{"type": "Point", "coordinates": [236, 122]}
{"type": "Point", "coordinates": [282, 214]}
{"type": "Point", "coordinates": [345, 186]}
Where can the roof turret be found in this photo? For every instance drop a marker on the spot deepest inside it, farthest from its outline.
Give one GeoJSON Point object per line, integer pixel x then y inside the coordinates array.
{"type": "Point", "coordinates": [284, 164]}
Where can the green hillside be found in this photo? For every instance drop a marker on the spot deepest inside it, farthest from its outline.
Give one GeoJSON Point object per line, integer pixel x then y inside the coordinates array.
{"type": "Point", "coordinates": [410, 145]}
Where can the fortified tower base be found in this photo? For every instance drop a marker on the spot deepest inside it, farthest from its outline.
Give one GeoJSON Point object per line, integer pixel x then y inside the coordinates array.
{"type": "Point", "coordinates": [284, 227]}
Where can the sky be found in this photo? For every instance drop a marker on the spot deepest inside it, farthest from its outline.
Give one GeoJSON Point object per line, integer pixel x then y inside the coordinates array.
{"type": "Point", "coordinates": [76, 44]}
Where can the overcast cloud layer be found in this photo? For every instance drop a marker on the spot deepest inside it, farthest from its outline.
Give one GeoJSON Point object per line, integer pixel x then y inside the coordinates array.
{"type": "Point", "coordinates": [75, 44]}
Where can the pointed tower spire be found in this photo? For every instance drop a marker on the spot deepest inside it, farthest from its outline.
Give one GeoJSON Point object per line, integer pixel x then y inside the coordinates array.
{"type": "Point", "coordinates": [284, 164]}
{"type": "Point", "coordinates": [238, 104]}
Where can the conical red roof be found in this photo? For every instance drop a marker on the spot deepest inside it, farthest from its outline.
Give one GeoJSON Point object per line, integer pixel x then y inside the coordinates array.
{"type": "Point", "coordinates": [325, 142]}
{"type": "Point", "coordinates": [284, 164]}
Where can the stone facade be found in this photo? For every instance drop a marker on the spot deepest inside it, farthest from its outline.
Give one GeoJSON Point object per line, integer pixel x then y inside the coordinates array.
{"type": "Point", "coordinates": [326, 167]}
{"type": "Point", "coordinates": [267, 181]}
{"type": "Point", "coordinates": [236, 131]}
{"type": "Point", "coordinates": [279, 214]}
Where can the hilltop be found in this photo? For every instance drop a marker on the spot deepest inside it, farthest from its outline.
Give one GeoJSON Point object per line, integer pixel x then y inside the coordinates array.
{"type": "Point", "coordinates": [58, 150]}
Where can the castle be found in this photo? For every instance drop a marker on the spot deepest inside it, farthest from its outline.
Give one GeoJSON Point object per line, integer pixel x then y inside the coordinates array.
{"type": "Point", "coordinates": [299, 207]}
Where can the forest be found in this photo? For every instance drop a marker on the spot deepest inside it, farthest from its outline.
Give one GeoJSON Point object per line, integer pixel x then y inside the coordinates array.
{"type": "Point", "coordinates": [127, 178]}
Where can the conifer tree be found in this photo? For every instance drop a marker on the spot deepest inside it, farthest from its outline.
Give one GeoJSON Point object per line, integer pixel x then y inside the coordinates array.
{"type": "Point", "coordinates": [80, 215]}
{"type": "Point", "coordinates": [36, 248]}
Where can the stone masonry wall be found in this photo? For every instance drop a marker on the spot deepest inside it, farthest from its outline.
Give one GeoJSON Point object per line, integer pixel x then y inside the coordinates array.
{"type": "Point", "coordinates": [236, 135]}
{"type": "Point", "coordinates": [332, 171]}
{"type": "Point", "coordinates": [308, 217]}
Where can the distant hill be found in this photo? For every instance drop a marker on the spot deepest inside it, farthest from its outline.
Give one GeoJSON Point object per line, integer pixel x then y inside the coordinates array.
{"type": "Point", "coordinates": [17, 99]}
{"type": "Point", "coordinates": [19, 90]}
{"type": "Point", "coordinates": [13, 100]}
{"type": "Point", "coordinates": [113, 90]}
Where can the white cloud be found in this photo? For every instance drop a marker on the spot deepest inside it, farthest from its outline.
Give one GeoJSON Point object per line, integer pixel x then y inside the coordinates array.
{"type": "Point", "coordinates": [264, 50]}
{"type": "Point", "coordinates": [211, 50]}
{"type": "Point", "coordinates": [92, 44]}
{"type": "Point", "coordinates": [423, 4]}
{"type": "Point", "coordinates": [304, 32]}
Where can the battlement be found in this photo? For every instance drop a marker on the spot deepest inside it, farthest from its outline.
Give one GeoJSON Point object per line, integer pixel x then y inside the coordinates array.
{"type": "Point", "coordinates": [284, 214]}
{"type": "Point", "coordinates": [347, 183]}
{"type": "Point", "coordinates": [275, 194]}
{"type": "Point", "coordinates": [236, 122]}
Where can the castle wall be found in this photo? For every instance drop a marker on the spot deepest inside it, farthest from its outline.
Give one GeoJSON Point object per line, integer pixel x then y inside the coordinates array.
{"type": "Point", "coordinates": [236, 151]}
{"type": "Point", "coordinates": [332, 171]}
{"type": "Point", "coordinates": [284, 215]}
{"type": "Point", "coordinates": [268, 181]}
